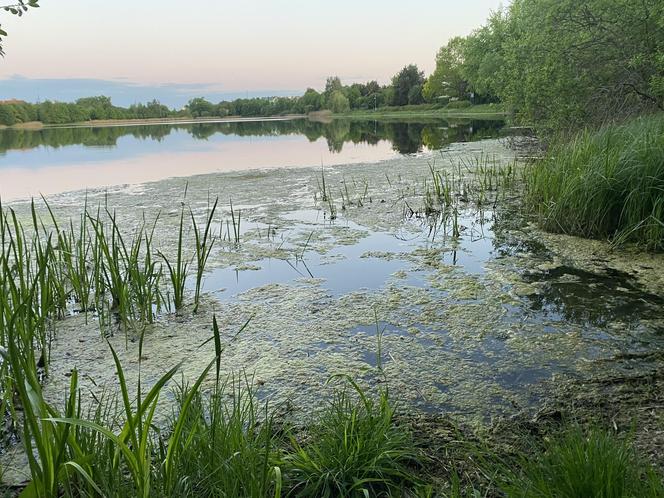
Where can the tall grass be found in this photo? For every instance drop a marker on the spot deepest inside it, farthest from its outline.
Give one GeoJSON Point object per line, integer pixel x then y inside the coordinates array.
{"type": "Point", "coordinates": [229, 447]}
{"type": "Point", "coordinates": [606, 184]}
{"type": "Point", "coordinates": [576, 464]}
{"type": "Point", "coordinates": [354, 449]}
{"type": "Point", "coordinates": [204, 245]}
{"type": "Point", "coordinates": [178, 270]}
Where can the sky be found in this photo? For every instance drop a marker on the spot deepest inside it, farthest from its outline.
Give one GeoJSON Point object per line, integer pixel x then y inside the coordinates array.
{"type": "Point", "coordinates": [174, 50]}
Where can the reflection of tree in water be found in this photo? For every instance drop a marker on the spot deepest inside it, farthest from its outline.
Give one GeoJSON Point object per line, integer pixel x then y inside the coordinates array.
{"type": "Point", "coordinates": [406, 137]}
{"type": "Point", "coordinates": [593, 298]}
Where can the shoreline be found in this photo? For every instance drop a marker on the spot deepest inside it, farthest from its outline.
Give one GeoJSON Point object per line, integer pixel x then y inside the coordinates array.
{"type": "Point", "coordinates": [482, 112]}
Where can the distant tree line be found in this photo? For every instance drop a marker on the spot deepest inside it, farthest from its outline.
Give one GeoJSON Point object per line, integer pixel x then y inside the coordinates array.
{"type": "Point", "coordinates": [90, 108]}
{"type": "Point", "coordinates": [406, 88]}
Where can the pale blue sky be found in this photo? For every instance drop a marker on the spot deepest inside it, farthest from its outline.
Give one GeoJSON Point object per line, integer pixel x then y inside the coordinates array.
{"type": "Point", "coordinates": [229, 47]}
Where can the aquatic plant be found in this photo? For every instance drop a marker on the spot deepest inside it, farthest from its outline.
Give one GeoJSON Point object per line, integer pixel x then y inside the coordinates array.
{"type": "Point", "coordinates": [179, 269]}
{"type": "Point", "coordinates": [203, 248]}
{"type": "Point", "coordinates": [606, 184]}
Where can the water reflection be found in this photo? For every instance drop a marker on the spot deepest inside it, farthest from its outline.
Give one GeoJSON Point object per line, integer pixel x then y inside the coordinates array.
{"type": "Point", "coordinates": [405, 137]}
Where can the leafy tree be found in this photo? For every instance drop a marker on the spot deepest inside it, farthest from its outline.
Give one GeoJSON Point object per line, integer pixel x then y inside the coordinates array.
{"type": "Point", "coordinates": [17, 9]}
{"type": "Point", "coordinates": [199, 107]}
{"type": "Point", "coordinates": [338, 102]}
{"type": "Point", "coordinates": [332, 85]}
{"type": "Point", "coordinates": [403, 82]}
{"type": "Point", "coordinates": [448, 79]}
{"type": "Point", "coordinates": [310, 101]}
{"type": "Point", "coordinates": [7, 117]}
{"type": "Point", "coordinates": [484, 56]}
{"type": "Point", "coordinates": [564, 64]}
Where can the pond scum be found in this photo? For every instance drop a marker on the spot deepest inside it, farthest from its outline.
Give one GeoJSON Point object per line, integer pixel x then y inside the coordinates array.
{"type": "Point", "coordinates": [221, 440]}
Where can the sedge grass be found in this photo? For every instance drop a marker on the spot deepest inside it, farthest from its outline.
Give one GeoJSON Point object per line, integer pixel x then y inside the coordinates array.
{"type": "Point", "coordinates": [606, 184]}
{"type": "Point", "coordinates": [204, 246]}
{"type": "Point", "coordinates": [354, 449]}
{"type": "Point", "coordinates": [593, 464]}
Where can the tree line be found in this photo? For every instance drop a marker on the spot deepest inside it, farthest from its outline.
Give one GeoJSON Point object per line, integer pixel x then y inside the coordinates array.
{"type": "Point", "coordinates": [555, 64]}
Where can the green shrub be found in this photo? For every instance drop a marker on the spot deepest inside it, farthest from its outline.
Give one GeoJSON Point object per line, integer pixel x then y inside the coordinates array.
{"type": "Point", "coordinates": [605, 184]}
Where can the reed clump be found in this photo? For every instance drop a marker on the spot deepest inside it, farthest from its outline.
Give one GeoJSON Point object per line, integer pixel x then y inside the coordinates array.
{"type": "Point", "coordinates": [604, 184]}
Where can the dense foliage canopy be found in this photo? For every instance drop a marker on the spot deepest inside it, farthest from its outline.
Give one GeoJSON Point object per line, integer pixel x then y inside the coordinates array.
{"type": "Point", "coordinates": [561, 64]}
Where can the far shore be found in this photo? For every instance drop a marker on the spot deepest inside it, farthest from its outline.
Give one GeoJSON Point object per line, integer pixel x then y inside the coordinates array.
{"type": "Point", "coordinates": [410, 112]}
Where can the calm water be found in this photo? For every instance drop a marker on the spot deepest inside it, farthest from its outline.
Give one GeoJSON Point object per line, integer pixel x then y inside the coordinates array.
{"type": "Point", "coordinates": [53, 160]}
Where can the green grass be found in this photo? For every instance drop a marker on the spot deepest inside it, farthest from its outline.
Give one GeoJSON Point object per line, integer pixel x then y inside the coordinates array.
{"type": "Point", "coordinates": [606, 184]}
{"type": "Point", "coordinates": [485, 111]}
{"type": "Point", "coordinates": [576, 464]}
{"type": "Point", "coordinates": [354, 449]}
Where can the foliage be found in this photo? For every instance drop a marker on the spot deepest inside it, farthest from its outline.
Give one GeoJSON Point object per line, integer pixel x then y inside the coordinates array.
{"type": "Point", "coordinates": [17, 8]}
{"type": "Point", "coordinates": [405, 84]}
{"type": "Point", "coordinates": [355, 449]}
{"type": "Point", "coordinates": [84, 109]}
{"type": "Point", "coordinates": [567, 64]}
{"type": "Point", "coordinates": [338, 102]}
{"type": "Point", "coordinates": [575, 464]}
{"type": "Point", "coordinates": [448, 79]}
{"type": "Point", "coordinates": [605, 184]}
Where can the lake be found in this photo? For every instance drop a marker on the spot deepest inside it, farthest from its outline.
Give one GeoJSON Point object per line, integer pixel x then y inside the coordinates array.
{"type": "Point", "coordinates": [392, 251]}
{"type": "Point", "coordinates": [53, 160]}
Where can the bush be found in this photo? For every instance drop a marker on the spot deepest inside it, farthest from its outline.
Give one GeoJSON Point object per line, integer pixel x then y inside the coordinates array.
{"type": "Point", "coordinates": [605, 184]}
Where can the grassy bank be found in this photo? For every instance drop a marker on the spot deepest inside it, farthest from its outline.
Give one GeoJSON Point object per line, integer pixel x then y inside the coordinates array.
{"type": "Point", "coordinates": [605, 184]}
{"type": "Point", "coordinates": [482, 111]}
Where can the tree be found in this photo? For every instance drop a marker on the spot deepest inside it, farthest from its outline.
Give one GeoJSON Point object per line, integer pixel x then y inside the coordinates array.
{"type": "Point", "coordinates": [17, 9]}
{"type": "Point", "coordinates": [338, 102]}
{"type": "Point", "coordinates": [404, 81]}
{"type": "Point", "coordinates": [199, 107]}
{"type": "Point", "coordinates": [310, 101]}
{"type": "Point", "coordinates": [448, 79]}
{"type": "Point", "coordinates": [565, 64]}
{"type": "Point", "coordinates": [7, 117]}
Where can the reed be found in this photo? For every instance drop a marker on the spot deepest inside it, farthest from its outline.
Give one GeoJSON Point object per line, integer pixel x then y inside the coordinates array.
{"type": "Point", "coordinates": [605, 184]}
{"type": "Point", "coordinates": [178, 270]}
{"type": "Point", "coordinates": [204, 246]}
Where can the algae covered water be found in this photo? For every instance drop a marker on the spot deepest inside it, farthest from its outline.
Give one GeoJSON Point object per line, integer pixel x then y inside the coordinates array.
{"type": "Point", "coordinates": [341, 269]}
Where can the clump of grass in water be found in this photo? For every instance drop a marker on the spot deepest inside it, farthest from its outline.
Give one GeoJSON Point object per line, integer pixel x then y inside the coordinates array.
{"type": "Point", "coordinates": [203, 248]}
{"type": "Point", "coordinates": [178, 270]}
{"type": "Point", "coordinates": [606, 184]}
{"type": "Point", "coordinates": [355, 449]}
{"type": "Point", "coordinates": [576, 464]}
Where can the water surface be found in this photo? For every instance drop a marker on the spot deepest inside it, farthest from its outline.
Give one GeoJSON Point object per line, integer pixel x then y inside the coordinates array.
{"type": "Point", "coordinates": [53, 160]}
